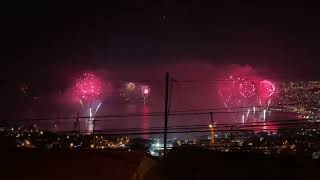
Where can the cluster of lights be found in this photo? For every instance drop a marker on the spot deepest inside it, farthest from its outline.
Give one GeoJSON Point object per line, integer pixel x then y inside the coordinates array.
{"type": "Point", "coordinates": [301, 97]}
{"type": "Point", "coordinates": [25, 138]}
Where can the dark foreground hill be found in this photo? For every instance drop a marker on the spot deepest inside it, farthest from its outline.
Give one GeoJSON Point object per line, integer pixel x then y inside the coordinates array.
{"type": "Point", "coordinates": [203, 165]}
{"type": "Point", "coordinates": [84, 165]}
{"type": "Point", "coordinates": [181, 164]}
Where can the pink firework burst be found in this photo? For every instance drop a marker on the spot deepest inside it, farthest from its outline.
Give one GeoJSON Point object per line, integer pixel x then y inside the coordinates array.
{"type": "Point", "coordinates": [145, 90]}
{"type": "Point", "coordinates": [266, 89]}
{"type": "Point", "coordinates": [247, 89]}
{"type": "Point", "coordinates": [88, 87]}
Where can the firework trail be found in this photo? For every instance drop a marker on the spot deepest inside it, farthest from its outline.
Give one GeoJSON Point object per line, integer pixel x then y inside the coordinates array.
{"type": "Point", "coordinates": [97, 108]}
{"type": "Point", "coordinates": [88, 91]}
{"type": "Point", "coordinates": [81, 104]}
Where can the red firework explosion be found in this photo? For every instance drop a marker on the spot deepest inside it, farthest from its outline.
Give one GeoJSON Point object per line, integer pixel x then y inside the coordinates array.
{"type": "Point", "coordinates": [247, 89]}
{"type": "Point", "coordinates": [88, 87]}
{"type": "Point", "coordinates": [266, 89]}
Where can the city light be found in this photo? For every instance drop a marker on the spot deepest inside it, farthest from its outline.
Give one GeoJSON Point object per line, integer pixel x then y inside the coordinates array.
{"type": "Point", "coordinates": [27, 142]}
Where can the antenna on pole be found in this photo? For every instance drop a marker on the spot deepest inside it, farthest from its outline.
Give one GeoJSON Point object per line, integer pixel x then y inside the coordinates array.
{"type": "Point", "coordinates": [166, 116]}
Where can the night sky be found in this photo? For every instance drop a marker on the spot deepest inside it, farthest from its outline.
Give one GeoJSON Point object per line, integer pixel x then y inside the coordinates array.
{"type": "Point", "coordinates": [45, 42]}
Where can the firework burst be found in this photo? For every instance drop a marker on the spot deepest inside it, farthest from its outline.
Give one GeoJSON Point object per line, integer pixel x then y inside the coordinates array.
{"type": "Point", "coordinates": [247, 89]}
{"type": "Point", "coordinates": [88, 92]}
{"type": "Point", "coordinates": [266, 89]}
{"type": "Point", "coordinates": [87, 88]}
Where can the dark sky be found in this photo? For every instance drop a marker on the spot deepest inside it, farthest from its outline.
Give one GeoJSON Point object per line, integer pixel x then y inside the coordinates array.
{"type": "Point", "coordinates": [46, 38]}
{"type": "Point", "coordinates": [46, 43]}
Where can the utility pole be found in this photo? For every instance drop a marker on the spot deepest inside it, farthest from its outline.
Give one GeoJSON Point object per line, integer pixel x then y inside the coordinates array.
{"type": "Point", "coordinates": [211, 116]}
{"type": "Point", "coordinates": [78, 124]}
{"type": "Point", "coordinates": [212, 126]}
{"type": "Point", "coordinates": [166, 116]}
{"type": "Point", "coordinates": [93, 132]}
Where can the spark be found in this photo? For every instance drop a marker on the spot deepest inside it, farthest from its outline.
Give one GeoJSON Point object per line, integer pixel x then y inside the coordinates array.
{"type": "Point", "coordinates": [97, 108]}
{"type": "Point", "coordinates": [242, 117]}
{"type": "Point", "coordinates": [81, 104]}
{"type": "Point", "coordinates": [90, 114]}
{"type": "Point", "coordinates": [225, 104]}
{"type": "Point", "coordinates": [248, 113]}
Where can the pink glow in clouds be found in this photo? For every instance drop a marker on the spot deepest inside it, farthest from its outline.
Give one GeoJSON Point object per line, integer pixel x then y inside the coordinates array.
{"type": "Point", "coordinates": [88, 87]}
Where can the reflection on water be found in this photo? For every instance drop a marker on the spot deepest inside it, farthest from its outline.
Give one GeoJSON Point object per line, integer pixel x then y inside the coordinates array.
{"type": "Point", "coordinates": [252, 122]}
{"type": "Point", "coordinates": [90, 125]}
{"type": "Point", "coordinates": [146, 120]}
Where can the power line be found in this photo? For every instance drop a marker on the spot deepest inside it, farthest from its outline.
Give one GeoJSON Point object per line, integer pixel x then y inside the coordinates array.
{"type": "Point", "coordinates": [226, 127]}
{"type": "Point", "coordinates": [197, 131]}
{"type": "Point", "coordinates": [253, 127]}
{"type": "Point", "coordinates": [178, 112]}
